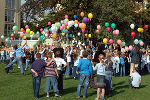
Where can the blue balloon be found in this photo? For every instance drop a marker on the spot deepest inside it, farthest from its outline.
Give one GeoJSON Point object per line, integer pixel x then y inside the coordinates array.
{"type": "Point", "coordinates": [66, 35]}
{"type": "Point", "coordinates": [50, 30]}
{"type": "Point", "coordinates": [44, 29]}
{"type": "Point", "coordinates": [8, 38]}
{"type": "Point", "coordinates": [74, 16]}
{"type": "Point", "coordinates": [42, 37]}
{"type": "Point", "coordinates": [70, 35]}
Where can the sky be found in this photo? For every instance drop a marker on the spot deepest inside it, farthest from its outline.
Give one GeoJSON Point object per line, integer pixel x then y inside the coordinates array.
{"type": "Point", "coordinates": [22, 2]}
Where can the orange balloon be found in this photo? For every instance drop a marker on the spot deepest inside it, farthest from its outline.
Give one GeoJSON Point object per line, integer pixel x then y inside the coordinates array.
{"type": "Point", "coordinates": [142, 30]}
{"type": "Point", "coordinates": [21, 29]}
{"type": "Point", "coordinates": [83, 25]}
{"type": "Point", "coordinates": [86, 35]}
{"type": "Point", "coordinates": [82, 14]}
{"type": "Point", "coordinates": [11, 38]}
{"type": "Point", "coordinates": [54, 35]}
{"type": "Point", "coordinates": [76, 21]}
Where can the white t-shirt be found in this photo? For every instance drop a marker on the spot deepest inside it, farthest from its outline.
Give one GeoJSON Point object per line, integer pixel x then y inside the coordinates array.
{"type": "Point", "coordinates": [12, 54]}
{"type": "Point", "coordinates": [69, 56]}
{"type": "Point", "coordinates": [59, 63]}
{"type": "Point", "coordinates": [136, 79]}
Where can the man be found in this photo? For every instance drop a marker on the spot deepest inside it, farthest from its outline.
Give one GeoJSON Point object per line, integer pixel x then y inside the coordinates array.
{"type": "Point", "coordinates": [135, 79]}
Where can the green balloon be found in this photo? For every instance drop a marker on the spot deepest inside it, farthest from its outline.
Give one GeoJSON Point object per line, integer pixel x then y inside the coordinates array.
{"type": "Point", "coordinates": [58, 24]}
{"type": "Point", "coordinates": [140, 41]}
{"type": "Point", "coordinates": [15, 28]}
{"type": "Point", "coordinates": [63, 30]}
{"type": "Point", "coordinates": [106, 24]}
{"type": "Point", "coordinates": [113, 25]}
{"type": "Point", "coordinates": [70, 35]}
{"type": "Point", "coordinates": [123, 44]}
{"type": "Point", "coordinates": [38, 32]}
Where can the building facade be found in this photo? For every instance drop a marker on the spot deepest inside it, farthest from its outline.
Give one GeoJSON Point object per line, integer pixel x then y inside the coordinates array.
{"type": "Point", "coordinates": [9, 16]}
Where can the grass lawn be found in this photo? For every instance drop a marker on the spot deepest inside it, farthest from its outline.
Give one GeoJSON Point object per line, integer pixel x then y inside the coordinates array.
{"type": "Point", "coordinates": [14, 86]}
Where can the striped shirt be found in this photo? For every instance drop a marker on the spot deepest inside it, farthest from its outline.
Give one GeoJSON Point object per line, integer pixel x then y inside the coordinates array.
{"type": "Point", "coordinates": [50, 70]}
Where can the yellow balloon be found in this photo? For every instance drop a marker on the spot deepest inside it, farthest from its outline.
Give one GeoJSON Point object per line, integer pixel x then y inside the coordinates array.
{"type": "Point", "coordinates": [67, 20]}
{"type": "Point", "coordinates": [105, 40]}
{"type": "Point", "coordinates": [90, 15]}
{"type": "Point", "coordinates": [139, 29]}
{"type": "Point", "coordinates": [68, 27]}
{"type": "Point", "coordinates": [25, 37]}
{"type": "Point", "coordinates": [63, 34]}
{"type": "Point", "coordinates": [31, 32]}
{"type": "Point", "coordinates": [28, 30]}
{"type": "Point", "coordinates": [89, 35]}
{"type": "Point", "coordinates": [55, 24]}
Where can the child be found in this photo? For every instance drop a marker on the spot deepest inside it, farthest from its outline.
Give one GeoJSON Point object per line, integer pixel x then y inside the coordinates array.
{"type": "Point", "coordinates": [148, 61]}
{"type": "Point", "coordinates": [37, 69]}
{"type": "Point", "coordinates": [2, 54]}
{"type": "Point", "coordinates": [117, 61]}
{"type": "Point", "coordinates": [85, 69]}
{"type": "Point", "coordinates": [122, 65]}
{"type": "Point", "coordinates": [101, 69]}
{"type": "Point", "coordinates": [60, 62]}
{"type": "Point", "coordinates": [28, 60]}
{"type": "Point", "coordinates": [51, 74]}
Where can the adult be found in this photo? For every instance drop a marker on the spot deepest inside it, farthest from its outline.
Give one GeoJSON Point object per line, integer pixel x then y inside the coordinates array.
{"type": "Point", "coordinates": [19, 55]}
{"type": "Point", "coordinates": [135, 58]}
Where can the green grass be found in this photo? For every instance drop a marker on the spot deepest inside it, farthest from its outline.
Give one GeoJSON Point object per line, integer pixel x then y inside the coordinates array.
{"type": "Point", "coordinates": [14, 86]}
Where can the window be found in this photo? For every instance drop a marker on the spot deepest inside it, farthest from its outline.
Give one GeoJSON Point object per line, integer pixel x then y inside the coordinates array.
{"type": "Point", "coordinates": [9, 3]}
{"type": "Point", "coordinates": [9, 15]}
{"type": "Point", "coordinates": [8, 29]}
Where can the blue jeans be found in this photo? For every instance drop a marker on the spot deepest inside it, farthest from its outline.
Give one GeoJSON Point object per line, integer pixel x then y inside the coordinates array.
{"type": "Point", "coordinates": [74, 69]}
{"type": "Point", "coordinates": [67, 73]}
{"type": "Point", "coordinates": [19, 59]}
{"type": "Point", "coordinates": [28, 63]}
{"type": "Point", "coordinates": [36, 86]}
{"type": "Point", "coordinates": [83, 78]}
{"type": "Point", "coordinates": [109, 78]}
{"type": "Point", "coordinates": [122, 70]}
{"type": "Point", "coordinates": [148, 67]}
{"type": "Point", "coordinates": [49, 80]}
{"type": "Point", "coordinates": [60, 80]}
{"type": "Point", "coordinates": [117, 68]}
{"type": "Point", "coordinates": [142, 64]}
{"type": "Point", "coordinates": [2, 58]}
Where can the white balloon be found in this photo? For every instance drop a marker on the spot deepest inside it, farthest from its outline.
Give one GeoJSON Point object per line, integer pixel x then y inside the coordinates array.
{"type": "Point", "coordinates": [76, 25]}
{"type": "Point", "coordinates": [2, 37]}
{"type": "Point", "coordinates": [136, 41]}
{"type": "Point", "coordinates": [31, 36]}
{"type": "Point", "coordinates": [54, 29]}
{"type": "Point", "coordinates": [6, 40]}
{"type": "Point", "coordinates": [46, 35]}
{"type": "Point", "coordinates": [69, 23]}
{"type": "Point", "coordinates": [132, 26]}
{"type": "Point", "coordinates": [79, 33]}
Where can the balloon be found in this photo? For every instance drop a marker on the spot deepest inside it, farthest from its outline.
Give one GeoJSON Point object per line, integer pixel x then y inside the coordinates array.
{"type": "Point", "coordinates": [76, 25]}
{"type": "Point", "coordinates": [66, 31]}
{"type": "Point", "coordinates": [8, 38]}
{"type": "Point", "coordinates": [105, 40]}
{"type": "Point", "coordinates": [42, 37]}
{"type": "Point", "coordinates": [141, 43]}
{"type": "Point", "coordinates": [63, 34]}
{"type": "Point", "coordinates": [67, 35]}
{"type": "Point", "coordinates": [114, 32]}
{"type": "Point", "coordinates": [79, 33]}
{"type": "Point", "coordinates": [54, 35]}
{"type": "Point", "coordinates": [24, 31]}
{"type": "Point", "coordinates": [89, 19]}
{"type": "Point", "coordinates": [126, 48]}
{"type": "Point", "coordinates": [146, 26]}
{"type": "Point", "coordinates": [12, 35]}
{"type": "Point", "coordinates": [26, 26]}
{"type": "Point", "coordinates": [49, 23]}
{"type": "Point", "coordinates": [106, 24]}
{"type": "Point", "coordinates": [21, 29]}
{"type": "Point", "coordinates": [117, 32]}
{"type": "Point", "coordinates": [85, 19]}
{"type": "Point", "coordinates": [66, 23]}
{"type": "Point", "coordinates": [25, 37]}
{"type": "Point", "coordinates": [74, 16]}
{"type": "Point", "coordinates": [82, 14]}
{"type": "Point", "coordinates": [46, 35]}
{"type": "Point", "coordinates": [66, 16]}
{"type": "Point", "coordinates": [54, 29]}
{"type": "Point", "coordinates": [86, 35]}
{"type": "Point", "coordinates": [90, 15]}
{"type": "Point", "coordinates": [67, 20]}
{"type": "Point", "coordinates": [47, 31]}
{"type": "Point", "coordinates": [139, 29]}
{"type": "Point", "coordinates": [21, 35]}
{"type": "Point", "coordinates": [113, 25]}
{"type": "Point", "coordinates": [98, 27]}
{"type": "Point", "coordinates": [130, 47]}
{"type": "Point", "coordinates": [136, 41]}
{"type": "Point", "coordinates": [31, 32]}
{"type": "Point", "coordinates": [89, 35]}
{"type": "Point", "coordinates": [2, 37]}
{"type": "Point", "coordinates": [97, 31]}
{"type": "Point", "coordinates": [38, 32]}
{"type": "Point", "coordinates": [108, 29]}
{"type": "Point", "coordinates": [142, 30]}
{"type": "Point", "coordinates": [41, 29]}
{"type": "Point", "coordinates": [119, 42]}
{"type": "Point", "coordinates": [70, 35]}
{"type": "Point", "coordinates": [123, 44]}
{"type": "Point", "coordinates": [28, 30]}
{"type": "Point", "coordinates": [111, 41]}
{"type": "Point", "coordinates": [58, 24]}
{"type": "Point", "coordinates": [76, 21]}
{"type": "Point", "coordinates": [83, 25]}
{"type": "Point", "coordinates": [133, 34]}
{"type": "Point", "coordinates": [61, 28]}
{"type": "Point", "coordinates": [15, 28]}
{"type": "Point", "coordinates": [83, 30]}
{"type": "Point", "coordinates": [11, 38]}
{"type": "Point", "coordinates": [132, 26]}
{"type": "Point", "coordinates": [68, 27]}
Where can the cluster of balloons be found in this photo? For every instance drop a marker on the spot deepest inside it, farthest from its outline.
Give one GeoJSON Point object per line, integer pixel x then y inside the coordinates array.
{"type": "Point", "coordinates": [136, 41]}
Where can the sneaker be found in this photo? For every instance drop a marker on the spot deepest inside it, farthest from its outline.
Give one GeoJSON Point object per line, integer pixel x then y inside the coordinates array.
{"type": "Point", "coordinates": [84, 96]}
{"type": "Point", "coordinates": [78, 97]}
{"type": "Point", "coordinates": [47, 95]}
{"type": "Point", "coordinates": [57, 95]}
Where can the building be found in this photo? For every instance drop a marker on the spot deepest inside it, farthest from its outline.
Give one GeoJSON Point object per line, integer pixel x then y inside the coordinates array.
{"type": "Point", "coordinates": [9, 16]}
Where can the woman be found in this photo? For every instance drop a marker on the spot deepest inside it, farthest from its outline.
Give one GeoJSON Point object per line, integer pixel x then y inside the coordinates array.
{"type": "Point", "coordinates": [19, 55]}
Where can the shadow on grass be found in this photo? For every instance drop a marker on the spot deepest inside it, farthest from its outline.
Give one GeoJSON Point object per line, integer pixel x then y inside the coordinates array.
{"type": "Point", "coordinates": [120, 83]}
{"type": "Point", "coordinates": [69, 90]}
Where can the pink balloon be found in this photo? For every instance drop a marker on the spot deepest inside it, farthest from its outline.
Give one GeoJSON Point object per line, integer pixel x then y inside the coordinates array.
{"type": "Point", "coordinates": [111, 41]}
{"type": "Point", "coordinates": [126, 48]}
{"type": "Point", "coordinates": [108, 29]}
{"type": "Point", "coordinates": [114, 32]}
{"type": "Point", "coordinates": [80, 25]}
{"type": "Point", "coordinates": [61, 21]}
{"type": "Point", "coordinates": [49, 23]}
{"type": "Point", "coordinates": [63, 25]}
{"type": "Point", "coordinates": [47, 31]}
{"type": "Point", "coordinates": [12, 34]}
{"type": "Point", "coordinates": [21, 35]}
{"type": "Point", "coordinates": [130, 47]}
{"type": "Point", "coordinates": [117, 32]}
{"type": "Point", "coordinates": [119, 42]}
{"type": "Point", "coordinates": [41, 29]}
{"type": "Point", "coordinates": [66, 16]}
{"type": "Point", "coordinates": [26, 26]}
{"type": "Point", "coordinates": [66, 23]}
{"type": "Point", "coordinates": [98, 27]}
{"type": "Point", "coordinates": [83, 30]}
{"type": "Point", "coordinates": [61, 28]}
{"type": "Point", "coordinates": [141, 43]}
{"type": "Point", "coordinates": [24, 31]}
{"type": "Point", "coordinates": [97, 31]}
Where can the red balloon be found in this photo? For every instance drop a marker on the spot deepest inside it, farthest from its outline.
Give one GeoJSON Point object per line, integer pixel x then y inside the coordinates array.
{"type": "Point", "coordinates": [146, 26]}
{"type": "Point", "coordinates": [133, 34]}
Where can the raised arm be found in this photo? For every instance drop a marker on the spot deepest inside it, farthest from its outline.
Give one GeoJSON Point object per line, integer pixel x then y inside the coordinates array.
{"type": "Point", "coordinates": [24, 44]}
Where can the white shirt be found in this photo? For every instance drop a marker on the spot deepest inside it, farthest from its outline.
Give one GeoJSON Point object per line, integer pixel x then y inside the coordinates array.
{"type": "Point", "coordinates": [148, 60]}
{"type": "Point", "coordinates": [59, 63]}
{"type": "Point", "coordinates": [12, 54]}
{"type": "Point", "coordinates": [136, 79]}
{"type": "Point", "coordinates": [69, 56]}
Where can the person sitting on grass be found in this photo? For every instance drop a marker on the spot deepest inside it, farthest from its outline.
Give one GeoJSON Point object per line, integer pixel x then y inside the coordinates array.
{"type": "Point", "coordinates": [135, 79]}
{"type": "Point", "coordinates": [37, 69]}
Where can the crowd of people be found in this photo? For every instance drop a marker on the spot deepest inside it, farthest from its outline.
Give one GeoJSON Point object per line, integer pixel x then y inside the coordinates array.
{"type": "Point", "coordinates": [80, 61]}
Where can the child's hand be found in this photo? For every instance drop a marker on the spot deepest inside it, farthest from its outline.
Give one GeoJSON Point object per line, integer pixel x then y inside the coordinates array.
{"type": "Point", "coordinates": [77, 72]}
{"type": "Point", "coordinates": [36, 74]}
{"type": "Point", "coordinates": [57, 76]}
